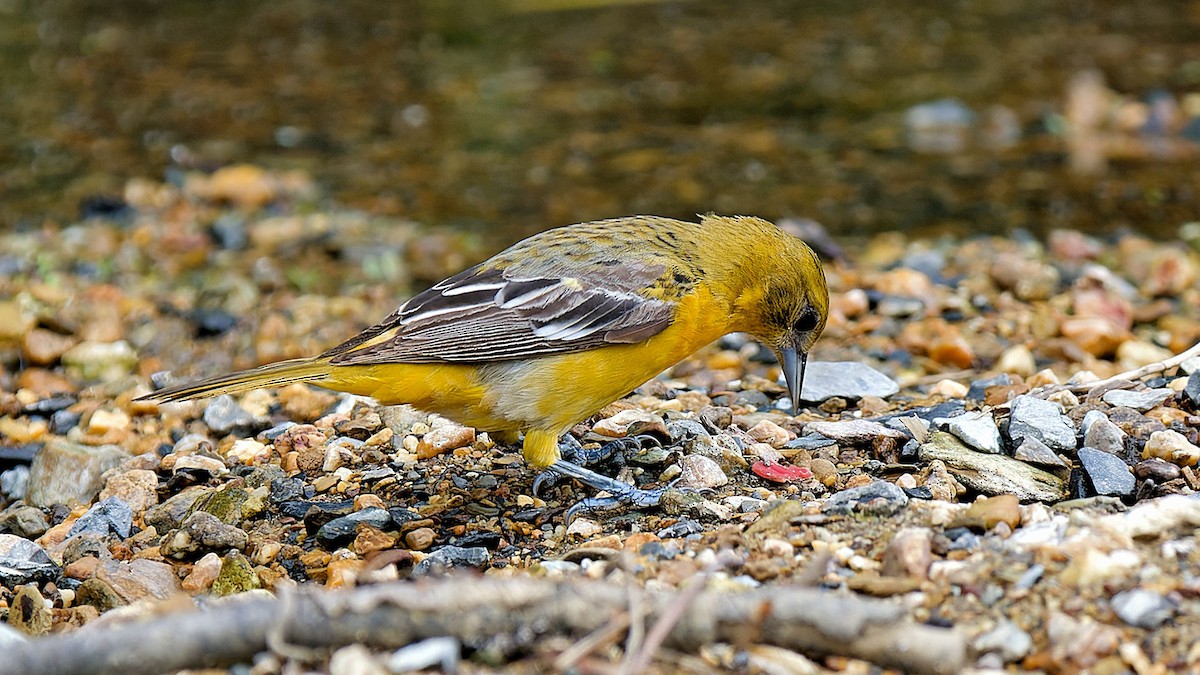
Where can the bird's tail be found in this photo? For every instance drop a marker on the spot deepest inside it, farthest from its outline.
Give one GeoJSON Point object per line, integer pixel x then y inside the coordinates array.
{"type": "Point", "coordinates": [271, 375]}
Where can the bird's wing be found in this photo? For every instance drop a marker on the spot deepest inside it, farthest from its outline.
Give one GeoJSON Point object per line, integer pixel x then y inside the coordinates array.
{"type": "Point", "coordinates": [484, 315]}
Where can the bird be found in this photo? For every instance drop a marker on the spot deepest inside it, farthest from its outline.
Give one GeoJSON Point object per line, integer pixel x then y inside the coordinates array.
{"type": "Point", "coordinates": [550, 330]}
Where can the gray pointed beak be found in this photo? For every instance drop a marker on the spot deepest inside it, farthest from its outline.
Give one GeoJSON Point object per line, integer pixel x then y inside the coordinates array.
{"type": "Point", "coordinates": [793, 374]}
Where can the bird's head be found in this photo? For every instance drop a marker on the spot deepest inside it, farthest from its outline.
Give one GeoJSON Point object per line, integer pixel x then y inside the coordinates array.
{"type": "Point", "coordinates": [787, 309]}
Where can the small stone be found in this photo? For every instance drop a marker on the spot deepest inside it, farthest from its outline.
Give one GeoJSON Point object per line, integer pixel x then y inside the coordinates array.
{"type": "Point", "coordinates": [909, 553]}
{"type": "Point", "coordinates": [1099, 432]}
{"type": "Point", "coordinates": [1143, 608]}
{"type": "Point", "coordinates": [978, 390]}
{"type": "Point", "coordinates": [44, 347]}
{"type": "Point", "coordinates": [770, 433]}
{"type": "Point", "coordinates": [448, 557]}
{"type": "Point", "coordinates": [949, 389]}
{"type": "Point", "coordinates": [1158, 470]}
{"type": "Point", "coordinates": [356, 660]}
{"type": "Point", "coordinates": [880, 497]}
{"type": "Point", "coordinates": [102, 361]}
{"type": "Point", "coordinates": [1109, 474]}
{"type": "Point", "coordinates": [853, 432]}
{"type": "Point", "coordinates": [420, 539]}
{"type": "Point", "coordinates": [341, 530]}
{"type": "Point", "coordinates": [988, 512]}
{"type": "Point", "coordinates": [237, 575]}
{"type": "Point", "coordinates": [976, 429]}
{"type": "Point", "coordinates": [169, 515]}
{"type": "Point", "coordinates": [438, 653]}
{"type": "Point", "coordinates": [444, 439]}
{"type": "Point", "coordinates": [700, 472]}
{"type": "Point", "coordinates": [1017, 360]}
{"type": "Point", "coordinates": [103, 421]}
{"type": "Point", "coordinates": [202, 532]}
{"type": "Point", "coordinates": [23, 562]}
{"type": "Point", "coordinates": [248, 452]}
{"type": "Point", "coordinates": [203, 574]}
{"type": "Point", "coordinates": [223, 415]}
{"type": "Point", "coordinates": [1171, 446]}
{"type": "Point", "coordinates": [111, 516]}
{"type": "Point", "coordinates": [849, 380]}
{"type": "Point", "coordinates": [209, 465]}
{"type": "Point", "coordinates": [14, 483]}
{"type": "Point", "coordinates": [1034, 417]}
{"type": "Point", "coordinates": [27, 521]}
{"type": "Point", "coordinates": [139, 578]}
{"type": "Point", "coordinates": [824, 471]}
{"type": "Point", "coordinates": [27, 611]}
{"type": "Point", "coordinates": [1138, 400]}
{"type": "Point", "coordinates": [1035, 452]}
{"type": "Point", "coordinates": [1007, 640]}
{"type": "Point", "coordinates": [1192, 389]}
{"type": "Point", "coordinates": [63, 472]}
{"type": "Point", "coordinates": [137, 487]}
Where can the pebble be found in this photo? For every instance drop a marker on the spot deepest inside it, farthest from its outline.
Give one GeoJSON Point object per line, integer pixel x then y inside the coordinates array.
{"type": "Point", "coordinates": [341, 530]}
{"type": "Point", "coordinates": [1138, 400]}
{"type": "Point", "coordinates": [1142, 608]}
{"type": "Point", "coordinates": [23, 562]}
{"type": "Point", "coordinates": [137, 487]}
{"type": "Point", "coordinates": [202, 532]}
{"type": "Point", "coordinates": [1171, 446]}
{"type": "Point", "coordinates": [100, 361]}
{"type": "Point", "coordinates": [25, 521]}
{"type": "Point", "coordinates": [109, 516]}
{"type": "Point", "coordinates": [139, 578]}
{"type": "Point", "coordinates": [440, 653]}
{"type": "Point", "coordinates": [909, 553]}
{"type": "Point", "coordinates": [853, 432]}
{"type": "Point", "coordinates": [879, 497]}
{"type": "Point", "coordinates": [237, 575]}
{"type": "Point", "coordinates": [448, 557]}
{"type": "Point", "coordinates": [248, 451]}
{"type": "Point", "coordinates": [223, 415]}
{"type": "Point", "coordinates": [1035, 452]}
{"type": "Point", "coordinates": [14, 483]}
{"type": "Point", "coordinates": [770, 433]}
{"type": "Point", "coordinates": [1166, 515]}
{"type": "Point", "coordinates": [103, 421]}
{"type": "Point", "coordinates": [976, 429]}
{"type": "Point", "coordinates": [444, 439]}
{"type": "Point", "coordinates": [988, 512]}
{"type": "Point", "coordinates": [1192, 389]}
{"type": "Point", "coordinates": [28, 613]}
{"type": "Point", "coordinates": [1100, 433]}
{"type": "Point", "coordinates": [700, 472]}
{"type": "Point", "coordinates": [420, 539]}
{"type": "Point", "coordinates": [993, 474]}
{"type": "Point", "coordinates": [1109, 475]}
{"type": "Point", "coordinates": [1158, 470]}
{"type": "Point", "coordinates": [203, 574]}
{"type": "Point", "coordinates": [850, 380]}
{"type": "Point", "coordinates": [1007, 640]}
{"type": "Point", "coordinates": [64, 472]}
{"type": "Point", "coordinates": [1044, 420]}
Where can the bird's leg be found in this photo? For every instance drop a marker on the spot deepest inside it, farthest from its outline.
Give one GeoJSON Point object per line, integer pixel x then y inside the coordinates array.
{"type": "Point", "coordinates": [571, 451]}
{"type": "Point", "coordinates": [622, 494]}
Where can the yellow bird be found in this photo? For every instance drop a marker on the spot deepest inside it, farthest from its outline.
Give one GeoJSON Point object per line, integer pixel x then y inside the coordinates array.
{"type": "Point", "coordinates": [552, 329]}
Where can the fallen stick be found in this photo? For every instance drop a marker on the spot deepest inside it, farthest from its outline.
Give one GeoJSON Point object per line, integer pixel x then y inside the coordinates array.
{"type": "Point", "coordinates": [505, 615]}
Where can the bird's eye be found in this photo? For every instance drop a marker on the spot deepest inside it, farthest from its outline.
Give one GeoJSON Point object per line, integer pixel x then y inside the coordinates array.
{"type": "Point", "coordinates": [806, 322]}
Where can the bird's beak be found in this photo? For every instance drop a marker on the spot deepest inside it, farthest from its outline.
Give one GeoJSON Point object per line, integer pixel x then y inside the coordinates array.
{"type": "Point", "coordinates": [793, 374]}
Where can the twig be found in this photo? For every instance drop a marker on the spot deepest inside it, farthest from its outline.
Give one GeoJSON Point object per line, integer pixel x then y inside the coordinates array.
{"type": "Point", "coordinates": [1120, 379]}
{"type": "Point", "coordinates": [510, 615]}
{"type": "Point", "coordinates": [638, 661]}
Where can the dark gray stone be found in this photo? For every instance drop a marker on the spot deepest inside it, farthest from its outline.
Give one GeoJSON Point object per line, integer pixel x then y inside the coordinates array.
{"type": "Point", "coordinates": [223, 415]}
{"type": "Point", "coordinates": [449, 557]}
{"type": "Point", "coordinates": [24, 562]}
{"type": "Point", "coordinates": [1140, 401]}
{"type": "Point", "coordinates": [879, 497]}
{"type": "Point", "coordinates": [1109, 474]}
{"type": "Point", "coordinates": [342, 529]}
{"type": "Point", "coordinates": [111, 516]}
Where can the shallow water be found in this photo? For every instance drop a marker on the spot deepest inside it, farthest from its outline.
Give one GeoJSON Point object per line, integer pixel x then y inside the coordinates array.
{"type": "Point", "coordinates": [524, 114]}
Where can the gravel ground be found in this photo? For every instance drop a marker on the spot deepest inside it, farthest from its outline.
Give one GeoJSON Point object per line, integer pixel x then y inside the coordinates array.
{"type": "Point", "coordinates": [993, 442]}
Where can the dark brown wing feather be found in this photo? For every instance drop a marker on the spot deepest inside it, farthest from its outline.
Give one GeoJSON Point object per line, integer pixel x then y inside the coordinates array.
{"type": "Point", "coordinates": [488, 315]}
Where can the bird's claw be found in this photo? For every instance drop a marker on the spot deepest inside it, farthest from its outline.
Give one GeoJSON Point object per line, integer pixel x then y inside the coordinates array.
{"type": "Point", "coordinates": [621, 494]}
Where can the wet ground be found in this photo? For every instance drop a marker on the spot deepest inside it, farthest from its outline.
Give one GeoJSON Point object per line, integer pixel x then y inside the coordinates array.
{"type": "Point", "coordinates": [519, 115]}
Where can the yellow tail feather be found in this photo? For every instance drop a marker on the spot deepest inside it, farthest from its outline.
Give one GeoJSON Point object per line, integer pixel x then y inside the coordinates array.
{"type": "Point", "coordinates": [271, 375]}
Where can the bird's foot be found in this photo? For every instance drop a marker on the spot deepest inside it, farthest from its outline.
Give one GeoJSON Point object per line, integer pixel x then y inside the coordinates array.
{"type": "Point", "coordinates": [576, 455]}
{"type": "Point", "coordinates": [620, 494]}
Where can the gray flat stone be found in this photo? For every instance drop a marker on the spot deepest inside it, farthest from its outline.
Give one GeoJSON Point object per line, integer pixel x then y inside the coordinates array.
{"type": "Point", "coordinates": [1138, 400]}
{"type": "Point", "coordinates": [847, 379]}
{"type": "Point", "coordinates": [1043, 420]}
{"type": "Point", "coordinates": [1110, 475]}
{"type": "Point", "coordinates": [977, 429]}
